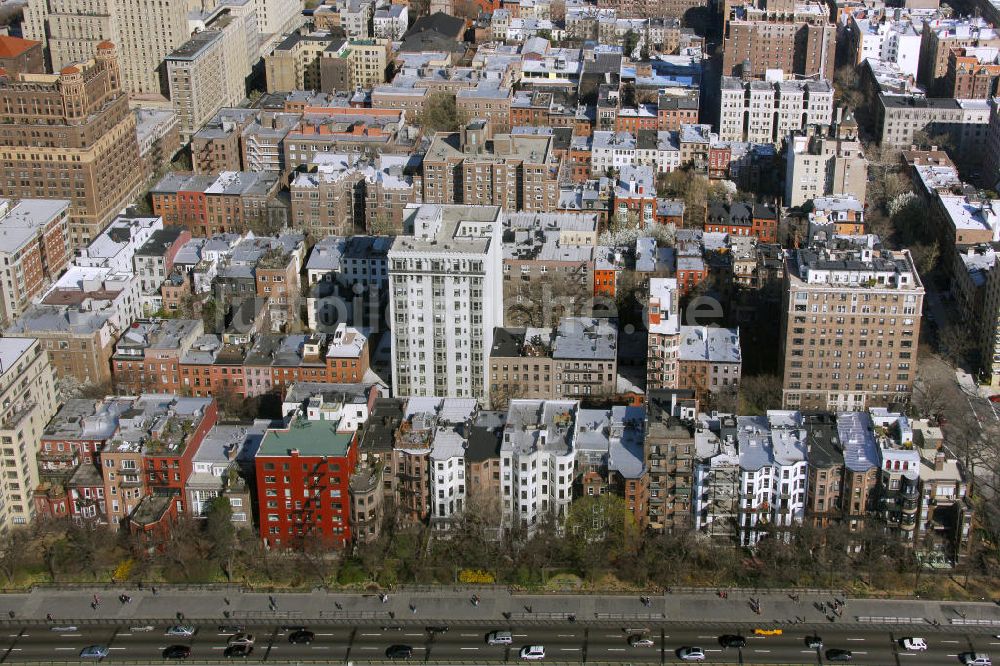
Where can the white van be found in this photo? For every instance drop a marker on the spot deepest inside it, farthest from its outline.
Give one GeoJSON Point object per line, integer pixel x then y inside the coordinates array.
{"type": "Point", "coordinates": [499, 638]}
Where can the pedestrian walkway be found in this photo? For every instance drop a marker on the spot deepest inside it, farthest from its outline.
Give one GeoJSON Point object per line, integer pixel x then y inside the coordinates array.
{"type": "Point", "coordinates": [457, 604]}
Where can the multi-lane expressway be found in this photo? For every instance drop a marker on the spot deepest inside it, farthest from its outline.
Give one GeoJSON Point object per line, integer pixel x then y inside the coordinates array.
{"type": "Point", "coordinates": [565, 643]}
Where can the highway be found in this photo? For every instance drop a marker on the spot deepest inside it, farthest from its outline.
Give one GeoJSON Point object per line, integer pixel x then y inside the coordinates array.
{"type": "Point", "coordinates": [564, 643]}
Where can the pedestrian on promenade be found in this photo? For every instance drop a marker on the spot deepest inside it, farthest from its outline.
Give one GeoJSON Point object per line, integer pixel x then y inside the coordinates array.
{"type": "Point", "coordinates": [48, 617]}
{"type": "Point", "coordinates": [413, 608]}
{"type": "Point", "coordinates": [153, 588]}
{"type": "Point", "coordinates": [226, 600]}
{"type": "Point", "coordinates": [337, 604]}
{"type": "Point", "coordinates": [11, 613]}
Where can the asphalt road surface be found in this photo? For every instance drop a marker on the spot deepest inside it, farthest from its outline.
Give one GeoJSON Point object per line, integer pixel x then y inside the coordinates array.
{"type": "Point", "coordinates": [569, 643]}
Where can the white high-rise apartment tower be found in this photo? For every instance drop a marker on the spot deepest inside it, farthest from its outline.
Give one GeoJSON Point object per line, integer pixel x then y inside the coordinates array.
{"type": "Point", "coordinates": [144, 31]}
{"type": "Point", "coordinates": [28, 394]}
{"type": "Point", "coordinates": [446, 296]}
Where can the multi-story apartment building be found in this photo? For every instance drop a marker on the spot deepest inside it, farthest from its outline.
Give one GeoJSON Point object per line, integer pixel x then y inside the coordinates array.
{"type": "Point", "coordinates": [28, 391]}
{"type": "Point", "coordinates": [303, 493]}
{"type": "Point", "coordinates": [147, 355]}
{"type": "Point", "coordinates": [79, 318]}
{"type": "Point", "coordinates": [294, 64]}
{"type": "Point", "coordinates": [537, 461]}
{"type": "Point", "coordinates": [759, 221]}
{"type": "Point", "coordinates": [965, 121]}
{"type": "Point", "coordinates": [585, 357]}
{"type": "Point", "coordinates": [579, 358]}
{"type": "Point", "coordinates": [88, 153]}
{"type": "Point", "coordinates": [663, 334]}
{"type": "Point", "coordinates": [445, 298]}
{"type": "Point", "coordinates": [490, 101]}
{"type": "Point", "coordinates": [346, 195]}
{"type": "Point", "coordinates": [146, 31]}
{"type": "Point", "coordinates": [709, 360]}
{"type": "Point", "coordinates": [34, 250]}
{"type": "Point", "coordinates": [516, 171]}
{"type": "Point", "coordinates": [976, 285]}
{"type": "Point", "coordinates": [877, 35]}
{"type": "Point", "coordinates": [209, 71]}
{"type": "Point", "coordinates": [613, 150]}
{"type": "Point", "coordinates": [972, 73]}
{"type": "Point", "coordinates": [610, 457]}
{"type": "Point", "coordinates": [548, 265]}
{"type": "Point", "coordinates": [356, 63]}
{"type": "Point", "coordinates": [817, 166]}
{"type": "Point", "coordinates": [159, 134]}
{"type": "Point", "coordinates": [862, 462]}
{"type": "Point", "coordinates": [836, 216]}
{"type": "Point", "coordinates": [147, 462]}
{"type": "Point", "coordinates": [207, 205]}
{"type": "Point", "coordinates": [669, 453]}
{"type": "Point", "coordinates": [850, 326]}
{"type": "Point", "coordinates": [768, 111]}
{"type": "Point", "coordinates": [940, 36]}
{"type": "Point", "coordinates": [800, 41]}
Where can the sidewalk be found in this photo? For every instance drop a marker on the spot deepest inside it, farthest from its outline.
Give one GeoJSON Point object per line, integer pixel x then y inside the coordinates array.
{"type": "Point", "coordinates": [453, 604]}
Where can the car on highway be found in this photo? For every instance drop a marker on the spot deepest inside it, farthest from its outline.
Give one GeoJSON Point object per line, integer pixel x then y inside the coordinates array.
{"type": "Point", "coordinates": [238, 650]}
{"type": "Point", "coordinates": [814, 642]}
{"type": "Point", "coordinates": [640, 641]}
{"type": "Point", "coordinates": [142, 628]}
{"type": "Point", "coordinates": [63, 628]}
{"type": "Point", "coordinates": [836, 654]}
{"type": "Point", "coordinates": [241, 639]}
{"type": "Point", "coordinates": [95, 652]}
{"type": "Point", "coordinates": [499, 638]}
{"type": "Point", "coordinates": [399, 652]}
{"type": "Point", "coordinates": [975, 659]}
{"type": "Point", "coordinates": [180, 630]}
{"type": "Point", "coordinates": [436, 628]}
{"type": "Point", "coordinates": [231, 628]}
{"type": "Point", "coordinates": [913, 644]}
{"type": "Point", "coordinates": [732, 641]}
{"type": "Point", "coordinates": [691, 654]}
{"type": "Point", "coordinates": [176, 652]}
{"type": "Point", "coordinates": [995, 398]}
{"type": "Point", "coordinates": [301, 636]}
{"type": "Point", "coordinates": [533, 652]}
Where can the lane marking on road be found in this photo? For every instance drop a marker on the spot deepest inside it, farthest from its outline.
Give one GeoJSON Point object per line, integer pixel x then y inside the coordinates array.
{"type": "Point", "coordinates": [570, 649]}
{"type": "Point", "coordinates": [413, 634]}
{"type": "Point", "coordinates": [706, 637]}
{"type": "Point", "coordinates": [371, 634]}
{"type": "Point", "coordinates": [764, 651]}
{"type": "Point", "coordinates": [808, 651]}
{"type": "Point", "coordinates": [117, 648]}
{"type": "Point", "coordinates": [468, 648]}
{"type": "Point", "coordinates": [520, 635]}
{"type": "Point", "coordinates": [78, 635]}
{"type": "Point", "coordinates": [368, 647]}
{"type": "Point", "coordinates": [469, 635]}
{"type": "Point", "coordinates": [949, 642]}
{"type": "Point", "coordinates": [324, 634]}
{"type": "Point", "coordinates": [854, 639]}
{"type": "Point", "coordinates": [320, 647]}
{"type": "Point", "coordinates": [612, 635]}
{"type": "Point", "coordinates": [62, 648]}
{"type": "Point", "coordinates": [859, 652]}
{"type": "Point", "coordinates": [616, 649]}
{"type": "Point", "coordinates": [218, 647]}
